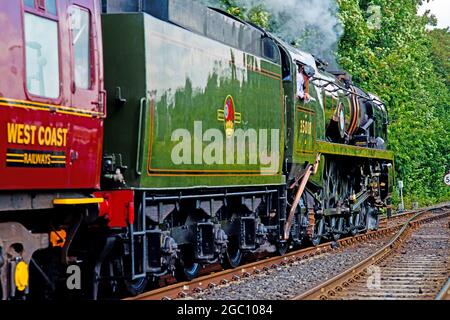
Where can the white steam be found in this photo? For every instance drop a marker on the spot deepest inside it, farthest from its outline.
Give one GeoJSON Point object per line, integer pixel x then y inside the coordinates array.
{"type": "Point", "coordinates": [312, 25]}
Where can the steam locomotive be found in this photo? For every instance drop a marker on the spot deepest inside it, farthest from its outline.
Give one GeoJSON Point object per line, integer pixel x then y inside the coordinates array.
{"type": "Point", "coordinates": [163, 136]}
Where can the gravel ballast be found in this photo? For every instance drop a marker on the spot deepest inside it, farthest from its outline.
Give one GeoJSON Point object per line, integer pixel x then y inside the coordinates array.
{"type": "Point", "coordinates": [288, 281]}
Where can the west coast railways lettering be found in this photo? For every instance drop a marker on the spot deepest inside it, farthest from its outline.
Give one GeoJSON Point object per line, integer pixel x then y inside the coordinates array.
{"type": "Point", "coordinates": [35, 159]}
{"type": "Point", "coordinates": [25, 134]}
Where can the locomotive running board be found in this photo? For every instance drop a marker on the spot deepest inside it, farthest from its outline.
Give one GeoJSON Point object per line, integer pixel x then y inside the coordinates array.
{"type": "Point", "coordinates": [328, 148]}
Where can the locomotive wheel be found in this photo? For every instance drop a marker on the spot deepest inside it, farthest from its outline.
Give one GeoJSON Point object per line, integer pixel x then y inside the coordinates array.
{"type": "Point", "coordinates": [338, 225]}
{"type": "Point", "coordinates": [331, 198]}
{"type": "Point", "coordinates": [49, 262]}
{"type": "Point", "coordinates": [233, 255]}
{"type": "Point", "coordinates": [318, 232]}
{"type": "Point", "coordinates": [373, 219]}
{"type": "Point", "coordinates": [356, 219]}
{"type": "Point", "coordinates": [191, 272]}
{"type": "Point", "coordinates": [331, 186]}
{"type": "Point", "coordinates": [282, 247]}
{"type": "Point", "coordinates": [354, 223]}
{"type": "Point", "coordinates": [187, 269]}
{"type": "Point", "coordinates": [126, 285]}
{"type": "Point", "coordinates": [365, 218]}
{"type": "Point", "coordinates": [136, 287]}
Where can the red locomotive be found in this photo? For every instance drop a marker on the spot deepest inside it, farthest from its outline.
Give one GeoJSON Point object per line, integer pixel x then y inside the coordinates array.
{"type": "Point", "coordinates": [52, 108]}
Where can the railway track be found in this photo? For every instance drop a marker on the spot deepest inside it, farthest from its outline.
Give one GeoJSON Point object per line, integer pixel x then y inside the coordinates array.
{"type": "Point", "coordinates": [399, 218]}
{"type": "Point", "coordinates": [444, 294]}
{"type": "Point", "coordinates": [224, 278]}
{"type": "Point", "coordinates": [413, 265]}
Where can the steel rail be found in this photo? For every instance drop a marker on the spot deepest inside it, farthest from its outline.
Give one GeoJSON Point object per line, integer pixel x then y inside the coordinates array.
{"type": "Point", "coordinates": [184, 289]}
{"type": "Point", "coordinates": [181, 290]}
{"type": "Point", "coordinates": [444, 294]}
{"type": "Point", "coordinates": [337, 284]}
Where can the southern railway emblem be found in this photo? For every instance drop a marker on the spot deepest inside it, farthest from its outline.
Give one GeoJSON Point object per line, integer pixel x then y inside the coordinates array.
{"type": "Point", "coordinates": [229, 116]}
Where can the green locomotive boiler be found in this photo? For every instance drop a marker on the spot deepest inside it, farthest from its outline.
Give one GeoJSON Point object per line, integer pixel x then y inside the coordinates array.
{"type": "Point", "coordinates": [231, 141]}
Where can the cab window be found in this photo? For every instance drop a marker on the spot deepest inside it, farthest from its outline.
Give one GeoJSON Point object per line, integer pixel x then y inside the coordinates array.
{"type": "Point", "coordinates": [42, 56]}
{"type": "Point", "coordinates": [270, 50]}
{"type": "Point", "coordinates": [81, 46]}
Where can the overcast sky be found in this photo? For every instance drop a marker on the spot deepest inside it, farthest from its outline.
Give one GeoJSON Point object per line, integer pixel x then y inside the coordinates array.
{"type": "Point", "coordinates": [441, 9]}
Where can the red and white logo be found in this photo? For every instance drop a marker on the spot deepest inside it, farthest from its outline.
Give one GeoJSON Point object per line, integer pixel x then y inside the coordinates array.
{"type": "Point", "coordinates": [229, 116]}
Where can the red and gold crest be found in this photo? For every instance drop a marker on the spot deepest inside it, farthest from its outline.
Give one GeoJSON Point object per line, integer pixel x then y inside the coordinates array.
{"type": "Point", "coordinates": [229, 115]}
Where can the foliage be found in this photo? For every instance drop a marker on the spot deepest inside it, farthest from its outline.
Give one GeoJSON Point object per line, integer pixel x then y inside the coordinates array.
{"type": "Point", "coordinates": [408, 67]}
{"type": "Point", "coordinates": [255, 14]}
{"type": "Point", "coordinates": [440, 43]}
{"type": "Point", "coordinates": [395, 62]}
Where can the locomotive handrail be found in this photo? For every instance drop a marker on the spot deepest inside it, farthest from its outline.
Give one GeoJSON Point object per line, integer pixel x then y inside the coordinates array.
{"type": "Point", "coordinates": [348, 92]}
{"type": "Point", "coordinates": [142, 105]}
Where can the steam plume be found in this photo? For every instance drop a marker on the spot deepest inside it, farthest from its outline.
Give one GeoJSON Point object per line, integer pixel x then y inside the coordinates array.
{"type": "Point", "coordinates": [311, 25]}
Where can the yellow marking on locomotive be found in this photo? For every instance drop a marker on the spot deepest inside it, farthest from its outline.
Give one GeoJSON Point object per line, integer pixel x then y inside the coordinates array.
{"type": "Point", "coordinates": [19, 133]}
{"type": "Point", "coordinates": [46, 107]}
{"type": "Point", "coordinates": [21, 276]}
{"type": "Point", "coordinates": [78, 201]}
{"type": "Point", "coordinates": [24, 134]}
{"type": "Point", "coordinates": [306, 127]}
{"type": "Point", "coordinates": [76, 114]}
{"type": "Point", "coordinates": [237, 117]}
{"type": "Point", "coordinates": [14, 161]}
{"type": "Point", "coordinates": [34, 158]}
{"type": "Point", "coordinates": [15, 155]}
{"type": "Point", "coordinates": [23, 107]}
{"type": "Point", "coordinates": [49, 136]}
{"type": "Point", "coordinates": [30, 107]}
{"type": "Point", "coordinates": [221, 115]}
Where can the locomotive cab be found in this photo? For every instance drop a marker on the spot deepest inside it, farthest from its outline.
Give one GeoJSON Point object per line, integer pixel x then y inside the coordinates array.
{"type": "Point", "coordinates": [52, 105]}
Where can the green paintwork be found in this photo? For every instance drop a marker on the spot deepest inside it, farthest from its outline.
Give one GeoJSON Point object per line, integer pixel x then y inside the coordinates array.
{"type": "Point", "coordinates": [328, 148]}
{"type": "Point", "coordinates": [300, 144]}
{"type": "Point", "coordinates": [184, 78]}
{"type": "Point", "coordinates": [303, 144]}
{"type": "Point", "coordinates": [124, 68]}
{"type": "Point", "coordinates": [172, 78]}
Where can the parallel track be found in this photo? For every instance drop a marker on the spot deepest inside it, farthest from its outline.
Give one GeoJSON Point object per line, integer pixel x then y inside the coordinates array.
{"type": "Point", "coordinates": [413, 265]}
{"type": "Point", "coordinates": [185, 289]}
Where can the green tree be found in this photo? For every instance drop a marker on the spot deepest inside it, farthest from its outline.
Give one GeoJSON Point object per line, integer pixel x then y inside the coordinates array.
{"type": "Point", "coordinates": [440, 44]}
{"type": "Point", "coordinates": [395, 62]}
{"type": "Point", "coordinates": [257, 14]}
